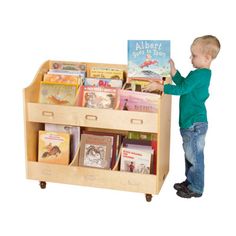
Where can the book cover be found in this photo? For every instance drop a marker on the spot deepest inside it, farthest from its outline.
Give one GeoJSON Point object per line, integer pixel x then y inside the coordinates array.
{"type": "Point", "coordinates": [101, 82]}
{"type": "Point", "coordinates": [138, 101]}
{"type": "Point", "coordinates": [97, 97]}
{"type": "Point", "coordinates": [148, 58]}
{"type": "Point", "coordinates": [64, 79]}
{"type": "Point", "coordinates": [53, 147]}
{"type": "Point", "coordinates": [145, 145]}
{"type": "Point", "coordinates": [57, 94]}
{"type": "Point", "coordinates": [64, 65]}
{"type": "Point", "coordinates": [95, 151]}
{"type": "Point", "coordinates": [136, 161]}
{"type": "Point", "coordinates": [108, 73]}
{"type": "Point", "coordinates": [115, 143]}
{"type": "Point", "coordinates": [141, 135]}
{"type": "Point", "coordinates": [74, 132]}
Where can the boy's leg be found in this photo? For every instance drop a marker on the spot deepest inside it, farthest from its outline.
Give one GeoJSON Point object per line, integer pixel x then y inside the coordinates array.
{"type": "Point", "coordinates": [193, 145]}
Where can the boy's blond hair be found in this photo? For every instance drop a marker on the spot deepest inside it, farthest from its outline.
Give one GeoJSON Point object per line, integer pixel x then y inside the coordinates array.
{"type": "Point", "coordinates": [210, 45]}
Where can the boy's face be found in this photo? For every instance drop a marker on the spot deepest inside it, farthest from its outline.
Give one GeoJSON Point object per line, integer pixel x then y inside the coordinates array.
{"type": "Point", "coordinates": [198, 58]}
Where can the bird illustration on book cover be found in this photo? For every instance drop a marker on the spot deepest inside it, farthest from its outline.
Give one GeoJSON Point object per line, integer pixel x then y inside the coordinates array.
{"type": "Point", "coordinates": [148, 58]}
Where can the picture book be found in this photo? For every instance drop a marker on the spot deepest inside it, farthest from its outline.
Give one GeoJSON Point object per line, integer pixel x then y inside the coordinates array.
{"type": "Point", "coordinates": [102, 82]}
{"type": "Point", "coordinates": [108, 73]}
{"type": "Point", "coordinates": [139, 84]}
{"type": "Point", "coordinates": [148, 58]}
{"type": "Point", "coordinates": [138, 101]}
{"type": "Point", "coordinates": [115, 143]}
{"type": "Point", "coordinates": [53, 147]}
{"type": "Point", "coordinates": [97, 97]}
{"type": "Point", "coordinates": [81, 74]}
{"type": "Point", "coordinates": [74, 132]}
{"type": "Point", "coordinates": [61, 78]}
{"type": "Point", "coordinates": [136, 161]}
{"type": "Point", "coordinates": [65, 65]}
{"type": "Point", "coordinates": [141, 135]}
{"type": "Point", "coordinates": [145, 145]}
{"type": "Point", "coordinates": [57, 93]}
{"type": "Point", "coordinates": [95, 151]}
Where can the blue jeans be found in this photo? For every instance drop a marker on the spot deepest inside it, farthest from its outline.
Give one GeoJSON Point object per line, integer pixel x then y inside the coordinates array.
{"type": "Point", "coordinates": [193, 145]}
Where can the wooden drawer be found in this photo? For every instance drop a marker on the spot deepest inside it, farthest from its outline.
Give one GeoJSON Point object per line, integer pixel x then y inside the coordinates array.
{"type": "Point", "coordinates": [92, 177]}
{"type": "Point", "coordinates": [96, 118]}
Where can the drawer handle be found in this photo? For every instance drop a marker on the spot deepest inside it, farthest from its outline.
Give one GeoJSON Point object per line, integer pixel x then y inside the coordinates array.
{"type": "Point", "coordinates": [136, 121]}
{"type": "Point", "coordinates": [48, 113]}
{"type": "Point", "coordinates": [91, 117]}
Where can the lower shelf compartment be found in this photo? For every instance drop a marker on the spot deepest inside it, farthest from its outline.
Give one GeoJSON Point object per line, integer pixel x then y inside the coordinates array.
{"type": "Point", "coordinates": [92, 177]}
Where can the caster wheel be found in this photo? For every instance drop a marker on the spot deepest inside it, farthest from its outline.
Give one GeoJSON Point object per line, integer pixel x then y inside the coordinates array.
{"type": "Point", "coordinates": [148, 197]}
{"type": "Point", "coordinates": [42, 184]}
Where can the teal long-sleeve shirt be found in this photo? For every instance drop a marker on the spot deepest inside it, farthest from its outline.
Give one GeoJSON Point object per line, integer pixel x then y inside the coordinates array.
{"type": "Point", "coordinates": [193, 91]}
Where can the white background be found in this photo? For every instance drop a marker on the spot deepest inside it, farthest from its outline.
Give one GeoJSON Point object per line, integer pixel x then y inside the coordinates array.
{"type": "Point", "coordinates": [97, 31]}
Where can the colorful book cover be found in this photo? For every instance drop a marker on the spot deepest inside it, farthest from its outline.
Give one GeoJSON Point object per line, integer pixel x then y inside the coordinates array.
{"type": "Point", "coordinates": [74, 132]}
{"type": "Point", "coordinates": [97, 97]}
{"type": "Point", "coordinates": [81, 74]}
{"type": "Point", "coordinates": [145, 145]}
{"type": "Point", "coordinates": [115, 143]}
{"type": "Point", "coordinates": [148, 58]}
{"type": "Point", "coordinates": [65, 65]}
{"type": "Point", "coordinates": [136, 161]}
{"type": "Point", "coordinates": [141, 135]}
{"type": "Point", "coordinates": [138, 101]}
{"type": "Point", "coordinates": [54, 147]}
{"type": "Point", "coordinates": [102, 82]}
{"type": "Point", "coordinates": [141, 83]}
{"type": "Point", "coordinates": [108, 73]}
{"type": "Point", "coordinates": [95, 151]}
{"type": "Point", "coordinates": [61, 78]}
{"type": "Point", "coordinates": [57, 93]}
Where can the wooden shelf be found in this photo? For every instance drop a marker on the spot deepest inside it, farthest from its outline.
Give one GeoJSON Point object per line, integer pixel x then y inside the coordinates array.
{"type": "Point", "coordinates": [117, 120]}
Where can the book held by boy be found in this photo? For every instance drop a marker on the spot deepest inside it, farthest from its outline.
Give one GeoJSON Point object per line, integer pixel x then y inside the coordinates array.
{"type": "Point", "coordinates": [148, 58]}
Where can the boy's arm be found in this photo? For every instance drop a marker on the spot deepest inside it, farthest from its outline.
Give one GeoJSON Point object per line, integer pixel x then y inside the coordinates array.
{"type": "Point", "coordinates": [176, 76]}
{"type": "Point", "coordinates": [186, 86]}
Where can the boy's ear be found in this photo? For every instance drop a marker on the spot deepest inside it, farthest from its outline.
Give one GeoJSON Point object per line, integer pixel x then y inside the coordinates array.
{"type": "Point", "coordinates": [208, 57]}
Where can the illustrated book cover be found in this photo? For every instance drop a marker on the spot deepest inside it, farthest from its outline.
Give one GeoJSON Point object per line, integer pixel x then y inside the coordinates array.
{"type": "Point", "coordinates": [95, 151]}
{"type": "Point", "coordinates": [145, 145]}
{"type": "Point", "coordinates": [108, 73]}
{"type": "Point", "coordinates": [97, 97]}
{"type": "Point", "coordinates": [65, 65]}
{"type": "Point", "coordinates": [53, 147]}
{"type": "Point", "coordinates": [148, 58]}
{"type": "Point", "coordinates": [74, 132]}
{"type": "Point", "coordinates": [57, 93]}
{"type": "Point", "coordinates": [102, 82]}
{"type": "Point", "coordinates": [61, 78]}
{"type": "Point", "coordinates": [138, 101]}
{"type": "Point", "coordinates": [115, 143]}
{"type": "Point", "coordinates": [136, 161]}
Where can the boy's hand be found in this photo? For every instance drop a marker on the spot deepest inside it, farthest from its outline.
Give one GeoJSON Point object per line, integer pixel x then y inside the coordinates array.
{"type": "Point", "coordinates": [153, 86]}
{"type": "Point", "coordinates": [172, 68]}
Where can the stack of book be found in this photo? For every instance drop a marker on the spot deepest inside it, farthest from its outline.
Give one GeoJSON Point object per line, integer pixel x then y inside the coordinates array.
{"type": "Point", "coordinates": [139, 156]}
{"type": "Point", "coordinates": [60, 83]}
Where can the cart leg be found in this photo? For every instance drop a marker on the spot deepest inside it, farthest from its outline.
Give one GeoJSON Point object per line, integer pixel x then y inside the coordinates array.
{"type": "Point", "coordinates": [42, 184]}
{"type": "Point", "coordinates": [148, 197]}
